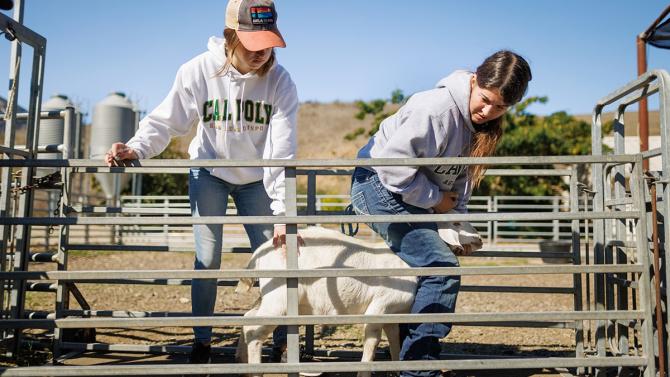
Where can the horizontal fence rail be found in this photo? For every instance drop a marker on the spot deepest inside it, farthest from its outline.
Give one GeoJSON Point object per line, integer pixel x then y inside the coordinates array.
{"type": "Point", "coordinates": [561, 217]}
{"type": "Point", "coordinates": [334, 219]}
{"type": "Point", "coordinates": [100, 167]}
{"type": "Point", "coordinates": [191, 369]}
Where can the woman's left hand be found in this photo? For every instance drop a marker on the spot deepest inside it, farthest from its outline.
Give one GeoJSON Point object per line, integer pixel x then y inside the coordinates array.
{"type": "Point", "coordinates": [279, 239]}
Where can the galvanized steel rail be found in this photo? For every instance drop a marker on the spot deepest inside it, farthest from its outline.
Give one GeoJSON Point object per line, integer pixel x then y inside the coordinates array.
{"type": "Point", "coordinates": [293, 274]}
{"type": "Point", "coordinates": [605, 270]}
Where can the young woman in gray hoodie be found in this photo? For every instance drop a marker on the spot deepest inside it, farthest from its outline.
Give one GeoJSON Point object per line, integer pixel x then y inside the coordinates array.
{"type": "Point", "coordinates": [462, 116]}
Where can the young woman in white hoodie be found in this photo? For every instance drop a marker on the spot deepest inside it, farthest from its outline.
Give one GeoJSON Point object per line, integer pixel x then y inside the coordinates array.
{"type": "Point", "coordinates": [244, 106]}
{"type": "Point", "coordinates": [462, 116]}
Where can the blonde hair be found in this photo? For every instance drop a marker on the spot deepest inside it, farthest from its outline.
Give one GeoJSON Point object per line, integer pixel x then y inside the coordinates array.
{"type": "Point", "coordinates": [232, 43]}
{"type": "Point", "coordinates": [509, 73]}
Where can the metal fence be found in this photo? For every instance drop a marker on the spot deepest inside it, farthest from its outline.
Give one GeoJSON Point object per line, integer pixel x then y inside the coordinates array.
{"type": "Point", "coordinates": [611, 187]}
{"type": "Point", "coordinates": [612, 290]}
{"type": "Point", "coordinates": [579, 320]}
{"type": "Point", "coordinates": [493, 232]}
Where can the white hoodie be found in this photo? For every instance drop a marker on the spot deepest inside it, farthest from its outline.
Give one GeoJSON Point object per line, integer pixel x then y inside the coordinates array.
{"type": "Point", "coordinates": [239, 117]}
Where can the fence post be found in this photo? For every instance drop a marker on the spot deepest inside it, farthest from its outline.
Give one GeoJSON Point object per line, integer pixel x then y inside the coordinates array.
{"type": "Point", "coordinates": [138, 204]}
{"type": "Point", "coordinates": [576, 260]}
{"type": "Point", "coordinates": [166, 233]}
{"type": "Point", "coordinates": [489, 224]}
{"type": "Point", "coordinates": [293, 335]}
{"type": "Point", "coordinates": [555, 203]}
{"type": "Point", "coordinates": [494, 236]}
{"type": "Point", "coordinates": [50, 211]}
{"type": "Point", "coordinates": [311, 211]}
{"type": "Point", "coordinates": [644, 281]}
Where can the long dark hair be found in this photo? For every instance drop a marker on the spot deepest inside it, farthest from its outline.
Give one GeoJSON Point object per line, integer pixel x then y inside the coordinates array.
{"type": "Point", "coordinates": [509, 73]}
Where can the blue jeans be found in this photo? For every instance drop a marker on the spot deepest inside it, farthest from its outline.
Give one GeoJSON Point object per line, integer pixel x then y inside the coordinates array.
{"type": "Point", "coordinates": [419, 245]}
{"type": "Point", "coordinates": [208, 196]}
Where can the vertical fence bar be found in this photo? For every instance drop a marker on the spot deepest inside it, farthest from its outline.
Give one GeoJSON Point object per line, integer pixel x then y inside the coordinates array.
{"type": "Point", "coordinates": [657, 281]}
{"type": "Point", "coordinates": [555, 202]}
{"type": "Point", "coordinates": [293, 335]}
{"type": "Point", "coordinates": [576, 260]}
{"type": "Point", "coordinates": [644, 282]}
{"type": "Point", "coordinates": [62, 292]}
{"type": "Point", "coordinates": [598, 233]}
{"type": "Point", "coordinates": [21, 256]}
{"type": "Point", "coordinates": [664, 120]}
{"type": "Point", "coordinates": [619, 255]}
{"type": "Point", "coordinates": [311, 193]}
{"type": "Point", "coordinates": [489, 224]}
{"type": "Point", "coordinates": [166, 230]}
{"type": "Point", "coordinates": [311, 211]}
{"type": "Point", "coordinates": [6, 178]}
{"type": "Point", "coordinates": [587, 258]}
{"type": "Point", "coordinates": [494, 237]}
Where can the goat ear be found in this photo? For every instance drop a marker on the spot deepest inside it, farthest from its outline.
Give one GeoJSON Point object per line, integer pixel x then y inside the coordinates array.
{"type": "Point", "coordinates": [244, 285]}
{"type": "Point", "coordinates": [449, 236]}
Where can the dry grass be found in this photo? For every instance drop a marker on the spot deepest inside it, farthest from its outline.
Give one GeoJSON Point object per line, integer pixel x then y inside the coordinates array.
{"type": "Point", "coordinates": [321, 135]}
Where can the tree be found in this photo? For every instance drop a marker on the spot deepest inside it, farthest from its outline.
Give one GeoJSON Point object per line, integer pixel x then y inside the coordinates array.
{"type": "Point", "coordinates": [166, 184]}
{"type": "Point", "coordinates": [375, 108]}
{"type": "Point", "coordinates": [524, 134]}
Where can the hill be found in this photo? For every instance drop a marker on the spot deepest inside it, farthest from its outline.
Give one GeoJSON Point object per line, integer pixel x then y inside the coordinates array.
{"type": "Point", "coordinates": [321, 131]}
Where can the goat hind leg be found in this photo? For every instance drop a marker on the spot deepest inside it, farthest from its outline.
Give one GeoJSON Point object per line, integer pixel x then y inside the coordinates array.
{"type": "Point", "coordinates": [241, 354]}
{"type": "Point", "coordinates": [393, 335]}
{"type": "Point", "coordinates": [373, 334]}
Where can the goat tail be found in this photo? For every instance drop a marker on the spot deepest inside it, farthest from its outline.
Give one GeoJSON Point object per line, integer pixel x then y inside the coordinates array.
{"type": "Point", "coordinates": [245, 284]}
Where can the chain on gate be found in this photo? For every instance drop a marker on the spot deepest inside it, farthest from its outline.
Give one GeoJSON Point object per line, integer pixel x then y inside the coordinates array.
{"type": "Point", "coordinates": [49, 181]}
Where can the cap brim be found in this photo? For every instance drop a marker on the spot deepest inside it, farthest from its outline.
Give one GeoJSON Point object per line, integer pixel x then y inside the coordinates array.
{"type": "Point", "coordinates": [261, 39]}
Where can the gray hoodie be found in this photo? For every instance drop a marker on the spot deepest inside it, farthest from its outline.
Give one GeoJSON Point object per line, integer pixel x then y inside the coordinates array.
{"type": "Point", "coordinates": [433, 123]}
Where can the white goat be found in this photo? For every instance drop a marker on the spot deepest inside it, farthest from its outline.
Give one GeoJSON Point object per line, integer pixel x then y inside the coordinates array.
{"type": "Point", "coordinates": [337, 296]}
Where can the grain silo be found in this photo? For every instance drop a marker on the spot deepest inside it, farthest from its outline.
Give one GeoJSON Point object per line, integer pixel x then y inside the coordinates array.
{"type": "Point", "coordinates": [52, 130]}
{"type": "Point", "coordinates": [114, 120]}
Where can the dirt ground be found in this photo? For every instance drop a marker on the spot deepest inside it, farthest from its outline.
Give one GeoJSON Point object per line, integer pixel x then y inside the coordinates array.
{"type": "Point", "coordinates": [463, 342]}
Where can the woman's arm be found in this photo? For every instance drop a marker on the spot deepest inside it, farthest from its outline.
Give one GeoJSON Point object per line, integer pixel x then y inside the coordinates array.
{"type": "Point", "coordinates": [173, 117]}
{"type": "Point", "coordinates": [281, 142]}
{"type": "Point", "coordinates": [420, 134]}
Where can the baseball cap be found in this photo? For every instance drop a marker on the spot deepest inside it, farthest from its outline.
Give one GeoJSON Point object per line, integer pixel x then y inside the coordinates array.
{"type": "Point", "coordinates": [255, 22]}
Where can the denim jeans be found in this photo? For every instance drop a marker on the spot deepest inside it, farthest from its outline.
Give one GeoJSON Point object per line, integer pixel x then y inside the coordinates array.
{"type": "Point", "coordinates": [419, 245]}
{"type": "Point", "coordinates": [208, 196]}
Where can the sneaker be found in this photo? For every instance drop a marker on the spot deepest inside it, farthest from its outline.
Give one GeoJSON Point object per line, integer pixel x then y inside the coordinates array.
{"type": "Point", "coordinates": [200, 354]}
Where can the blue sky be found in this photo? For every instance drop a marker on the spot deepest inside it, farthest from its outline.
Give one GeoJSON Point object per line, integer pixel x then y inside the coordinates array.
{"type": "Point", "coordinates": [345, 50]}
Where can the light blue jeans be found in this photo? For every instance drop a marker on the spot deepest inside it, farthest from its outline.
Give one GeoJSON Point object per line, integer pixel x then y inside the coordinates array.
{"type": "Point", "coordinates": [419, 245]}
{"type": "Point", "coordinates": [209, 197]}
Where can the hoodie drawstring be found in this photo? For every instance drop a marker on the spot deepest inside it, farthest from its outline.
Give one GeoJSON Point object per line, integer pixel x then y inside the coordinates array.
{"type": "Point", "coordinates": [228, 111]}
{"type": "Point", "coordinates": [244, 83]}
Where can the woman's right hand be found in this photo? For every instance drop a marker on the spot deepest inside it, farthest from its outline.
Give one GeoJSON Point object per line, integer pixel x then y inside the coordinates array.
{"type": "Point", "coordinates": [448, 202]}
{"type": "Point", "coordinates": [118, 153]}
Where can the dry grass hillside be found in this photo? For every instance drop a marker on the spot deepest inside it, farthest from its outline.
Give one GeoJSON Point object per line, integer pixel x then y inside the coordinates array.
{"type": "Point", "coordinates": [322, 128]}
{"type": "Point", "coordinates": [321, 131]}
{"type": "Point", "coordinates": [321, 135]}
